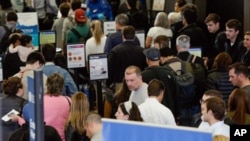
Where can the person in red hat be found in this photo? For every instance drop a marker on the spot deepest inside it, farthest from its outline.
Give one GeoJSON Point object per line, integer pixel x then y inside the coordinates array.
{"type": "Point", "coordinates": [81, 31]}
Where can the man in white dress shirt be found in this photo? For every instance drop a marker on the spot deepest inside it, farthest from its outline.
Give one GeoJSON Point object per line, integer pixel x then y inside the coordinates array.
{"type": "Point", "coordinates": [152, 111]}
{"type": "Point", "coordinates": [213, 112]}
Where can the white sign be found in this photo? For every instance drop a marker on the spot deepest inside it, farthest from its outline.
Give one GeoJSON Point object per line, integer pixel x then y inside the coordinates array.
{"type": "Point", "coordinates": [9, 115]}
{"type": "Point", "coordinates": [28, 23]}
{"type": "Point", "coordinates": [158, 5]}
{"type": "Point", "coordinates": [75, 55]}
{"type": "Point", "coordinates": [109, 27]}
{"type": "Point", "coordinates": [98, 66]}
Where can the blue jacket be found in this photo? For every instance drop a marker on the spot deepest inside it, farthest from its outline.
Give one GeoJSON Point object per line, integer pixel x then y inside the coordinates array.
{"type": "Point", "coordinates": [99, 10]}
{"type": "Point", "coordinates": [69, 84]}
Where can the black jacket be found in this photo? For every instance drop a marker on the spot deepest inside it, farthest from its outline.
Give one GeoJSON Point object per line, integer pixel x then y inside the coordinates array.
{"type": "Point", "coordinates": [72, 135]}
{"type": "Point", "coordinates": [171, 97]}
{"type": "Point", "coordinates": [197, 36]}
{"type": "Point", "coordinates": [222, 44]}
{"type": "Point", "coordinates": [23, 133]}
{"type": "Point", "coordinates": [122, 56]}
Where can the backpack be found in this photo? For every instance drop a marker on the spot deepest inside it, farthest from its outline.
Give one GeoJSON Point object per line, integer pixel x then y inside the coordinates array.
{"type": "Point", "coordinates": [5, 42]}
{"type": "Point", "coordinates": [199, 76]}
{"type": "Point", "coordinates": [186, 82]}
{"type": "Point", "coordinates": [71, 19]}
{"type": "Point", "coordinates": [81, 38]}
{"type": "Point", "coordinates": [187, 88]}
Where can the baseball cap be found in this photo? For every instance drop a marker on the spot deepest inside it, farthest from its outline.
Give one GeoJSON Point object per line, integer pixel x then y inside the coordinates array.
{"type": "Point", "coordinates": [80, 15]}
{"type": "Point", "coordinates": [152, 54]}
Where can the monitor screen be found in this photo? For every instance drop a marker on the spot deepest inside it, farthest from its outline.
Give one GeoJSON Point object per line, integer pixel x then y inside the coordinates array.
{"type": "Point", "coordinates": [98, 66]}
{"type": "Point", "coordinates": [140, 34]}
{"type": "Point", "coordinates": [47, 37]}
{"type": "Point", "coordinates": [195, 51]}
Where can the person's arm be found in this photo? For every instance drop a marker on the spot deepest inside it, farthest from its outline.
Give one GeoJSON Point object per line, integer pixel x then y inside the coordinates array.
{"type": "Point", "coordinates": [148, 41]}
{"type": "Point", "coordinates": [108, 45]}
{"type": "Point", "coordinates": [52, 4]}
{"type": "Point", "coordinates": [54, 25]}
{"type": "Point", "coordinates": [68, 37]}
{"type": "Point", "coordinates": [210, 82]}
{"type": "Point", "coordinates": [149, 38]}
{"type": "Point", "coordinates": [70, 84]}
{"type": "Point", "coordinates": [88, 48]}
{"type": "Point", "coordinates": [2, 30]}
{"type": "Point", "coordinates": [19, 119]}
{"type": "Point", "coordinates": [12, 49]}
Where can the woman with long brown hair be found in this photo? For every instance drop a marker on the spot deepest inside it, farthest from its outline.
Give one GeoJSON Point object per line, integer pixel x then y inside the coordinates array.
{"type": "Point", "coordinates": [239, 107]}
{"type": "Point", "coordinates": [121, 96]}
{"type": "Point", "coordinates": [218, 77]}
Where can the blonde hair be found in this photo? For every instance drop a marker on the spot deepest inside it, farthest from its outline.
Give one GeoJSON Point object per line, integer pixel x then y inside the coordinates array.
{"type": "Point", "coordinates": [78, 111]}
{"type": "Point", "coordinates": [220, 138]}
{"type": "Point", "coordinates": [133, 69]}
{"type": "Point", "coordinates": [96, 27]}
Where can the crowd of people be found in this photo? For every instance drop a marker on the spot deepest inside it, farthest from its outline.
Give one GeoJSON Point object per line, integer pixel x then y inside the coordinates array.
{"type": "Point", "coordinates": [145, 82]}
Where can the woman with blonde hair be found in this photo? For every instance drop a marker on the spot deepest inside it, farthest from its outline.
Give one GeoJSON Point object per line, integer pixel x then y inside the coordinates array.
{"type": "Point", "coordinates": [220, 138]}
{"type": "Point", "coordinates": [160, 27]}
{"type": "Point", "coordinates": [96, 43]}
{"type": "Point", "coordinates": [74, 129]}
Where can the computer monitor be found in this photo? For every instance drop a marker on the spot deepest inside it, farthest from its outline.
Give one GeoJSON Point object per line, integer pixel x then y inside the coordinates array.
{"type": "Point", "coordinates": [47, 36]}
{"type": "Point", "coordinates": [196, 51]}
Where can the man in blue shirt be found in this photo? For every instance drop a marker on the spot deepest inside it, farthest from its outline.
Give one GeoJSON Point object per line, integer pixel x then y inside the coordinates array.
{"type": "Point", "coordinates": [49, 52]}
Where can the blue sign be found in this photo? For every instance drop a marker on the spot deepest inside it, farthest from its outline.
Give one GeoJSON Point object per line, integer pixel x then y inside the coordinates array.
{"type": "Point", "coordinates": [36, 116]}
{"type": "Point", "coordinates": [117, 130]}
{"type": "Point", "coordinates": [32, 124]}
{"type": "Point", "coordinates": [28, 23]}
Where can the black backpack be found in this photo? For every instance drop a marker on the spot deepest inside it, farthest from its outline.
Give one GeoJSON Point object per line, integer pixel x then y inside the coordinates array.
{"type": "Point", "coordinates": [5, 42]}
{"type": "Point", "coordinates": [186, 80]}
{"type": "Point", "coordinates": [199, 73]}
